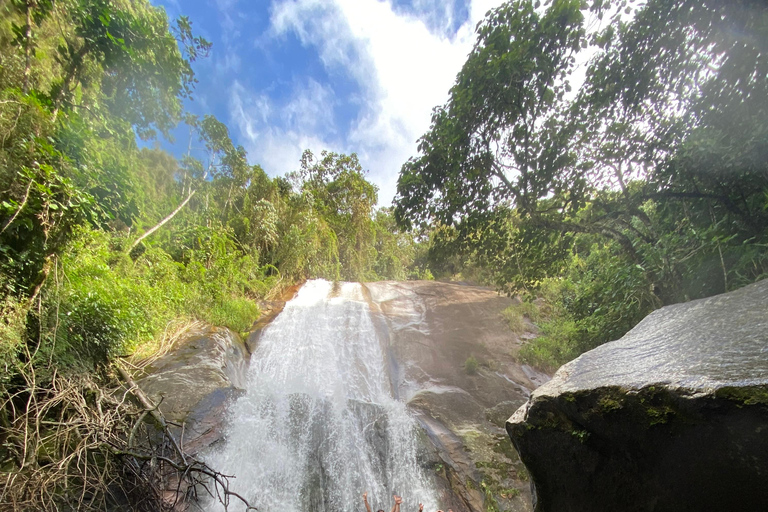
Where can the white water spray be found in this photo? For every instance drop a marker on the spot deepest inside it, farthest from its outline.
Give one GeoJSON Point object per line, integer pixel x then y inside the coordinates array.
{"type": "Point", "coordinates": [318, 425]}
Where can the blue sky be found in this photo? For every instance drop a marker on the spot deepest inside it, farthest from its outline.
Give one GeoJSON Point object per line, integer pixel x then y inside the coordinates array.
{"type": "Point", "coordinates": [344, 75]}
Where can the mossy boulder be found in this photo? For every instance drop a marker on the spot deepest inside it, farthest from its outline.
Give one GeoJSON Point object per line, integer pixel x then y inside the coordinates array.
{"type": "Point", "coordinates": [672, 417]}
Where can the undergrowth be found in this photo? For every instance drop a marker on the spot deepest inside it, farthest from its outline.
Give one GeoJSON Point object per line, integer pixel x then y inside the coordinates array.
{"type": "Point", "coordinates": [100, 303]}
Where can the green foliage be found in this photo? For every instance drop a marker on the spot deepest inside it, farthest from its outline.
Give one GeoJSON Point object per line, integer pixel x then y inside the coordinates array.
{"type": "Point", "coordinates": [78, 84]}
{"type": "Point", "coordinates": [103, 304]}
{"type": "Point", "coordinates": [599, 298]}
{"type": "Point", "coordinates": [554, 346]}
{"type": "Point", "coordinates": [647, 186]}
{"type": "Point", "coordinates": [471, 365]}
{"type": "Point", "coordinates": [516, 313]}
{"type": "Point", "coordinates": [340, 194]}
{"type": "Point", "coordinates": [13, 316]}
{"type": "Point", "coordinates": [105, 246]}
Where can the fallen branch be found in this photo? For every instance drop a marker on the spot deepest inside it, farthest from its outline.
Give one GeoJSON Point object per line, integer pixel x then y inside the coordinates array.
{"type": "Point", "coordinates": [73, 443]}
{"type": "Point", "coordinates": [189, 466]}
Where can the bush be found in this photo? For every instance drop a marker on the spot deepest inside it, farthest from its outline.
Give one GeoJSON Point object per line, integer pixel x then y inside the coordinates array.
{"type": "Point", "coordinates": [236, 313]}
{"type": "Point", "coordinates": [13, 316]}
{"type": "Point", "coordinates": [514, 315]}
{"type": "Point", "coordinates": [108, 305]}
{"type": "Point", "coordinates": [470, 365]}
{"type": "Point", "coordinates": [554, 346]}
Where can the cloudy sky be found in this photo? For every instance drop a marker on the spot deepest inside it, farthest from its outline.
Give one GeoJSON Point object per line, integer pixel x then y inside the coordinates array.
{"type": "Point", "coordinates": [344, 75]}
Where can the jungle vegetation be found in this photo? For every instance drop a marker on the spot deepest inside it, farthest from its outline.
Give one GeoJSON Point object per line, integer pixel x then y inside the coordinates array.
{"type": "Point", "coordinates": [602, 197]}
{"type": "Point", "coordinates": [603, 157]}
{"type": "Point", "coordinates": [108, 244]}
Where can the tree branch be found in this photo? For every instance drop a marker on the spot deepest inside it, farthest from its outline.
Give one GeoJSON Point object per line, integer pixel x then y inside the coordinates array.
{"type": "Point", "coordinates": [21, 207]}
{"type": "Point", "coordinates": [162, 222]}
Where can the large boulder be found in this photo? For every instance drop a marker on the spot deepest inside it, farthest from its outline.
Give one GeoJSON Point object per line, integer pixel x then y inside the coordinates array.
{"type": "Point", "coordinates": [671, 417]}
{"type": "Point", "coordinates": [432, 329]}
{"type": "Point", "coordinates": [195, 382]}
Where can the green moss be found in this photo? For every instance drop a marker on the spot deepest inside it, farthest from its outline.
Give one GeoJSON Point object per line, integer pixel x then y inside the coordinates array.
{"type": "Point", "coordinates": [659, 406]}
{"type": "Point", "coordinates": [493, 490]}
{"type": "Point", "coordinates": [493, 464]}
{"type": "Point", "coordinates": [491, 505]}
{"type": "Point", "coordinates": [746, 395]}
{"type": "Point", "coordinates": [581, 435]}
{"type": "Point", "coordinates": [608, 403]}
{"type": "Point", "coordinates": [510, 493]}
{"type": "Point", "coordinates": [659, 415]}
{"type": "Point", "coordinates": [504, 446]}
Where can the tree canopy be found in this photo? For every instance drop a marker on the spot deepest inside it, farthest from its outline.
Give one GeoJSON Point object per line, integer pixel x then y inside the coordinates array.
{"type": "Point", "coordinates": [658, 156]}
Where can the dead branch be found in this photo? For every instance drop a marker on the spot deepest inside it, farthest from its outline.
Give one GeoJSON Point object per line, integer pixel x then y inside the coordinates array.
{"type": "Point", "coordinates": [77, 443]}
{"type": "Point", "coordinates": [162, 222]}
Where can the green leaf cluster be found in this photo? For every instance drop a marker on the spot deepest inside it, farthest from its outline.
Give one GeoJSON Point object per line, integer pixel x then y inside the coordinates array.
{"type": "Point", "coordinates": [644, 184]}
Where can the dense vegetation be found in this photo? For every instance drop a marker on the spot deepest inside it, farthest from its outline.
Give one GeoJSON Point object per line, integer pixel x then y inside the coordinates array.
{"type": "Point", "coordinates": [108, 243]}
{"type": "Point", "coordinates": [644, 185]}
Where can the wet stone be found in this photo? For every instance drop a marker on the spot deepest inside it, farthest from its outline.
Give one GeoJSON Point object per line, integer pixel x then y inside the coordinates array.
{"type": "Point", "coordinates": [673, 416]}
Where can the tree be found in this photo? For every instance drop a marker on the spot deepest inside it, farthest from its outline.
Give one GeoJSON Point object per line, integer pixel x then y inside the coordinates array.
{"type": "Point", "coordinates": [69, 115]}
{"type": "Point", "coordinates": [658, 160]}
{"type": "Point", "coordinates": [499, 141]}
{"type": "Point", "coordinates": [511, 138]}
{"type": "Point", "coordinates": [341, 195]}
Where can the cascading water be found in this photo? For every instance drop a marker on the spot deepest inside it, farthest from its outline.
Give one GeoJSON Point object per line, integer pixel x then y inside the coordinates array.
{"type": "Point", "coordinates": [318, 425]}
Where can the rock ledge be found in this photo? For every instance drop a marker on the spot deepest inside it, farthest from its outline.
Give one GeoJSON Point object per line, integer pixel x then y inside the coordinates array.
{"type": "Point", "coordinates": [674, 416]}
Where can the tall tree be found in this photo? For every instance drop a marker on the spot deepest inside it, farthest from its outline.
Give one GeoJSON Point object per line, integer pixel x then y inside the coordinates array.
{"type": "Point", "coordinates": [659, 94]}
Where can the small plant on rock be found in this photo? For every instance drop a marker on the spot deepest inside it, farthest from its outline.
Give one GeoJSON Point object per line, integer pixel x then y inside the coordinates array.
{"type": "Point", "coordinates": [470, 365]}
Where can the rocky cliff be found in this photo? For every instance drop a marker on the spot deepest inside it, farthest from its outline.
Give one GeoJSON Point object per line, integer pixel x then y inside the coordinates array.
{"type": "Point", "coordinates": [433, 328]}
{"type": "Point", "coordinates": [196, 382]}
{"type": "Point", "coordinates": [672, 417]}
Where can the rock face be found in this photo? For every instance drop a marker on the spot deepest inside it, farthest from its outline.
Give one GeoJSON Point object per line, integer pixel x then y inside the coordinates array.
{"type": "Point", "coordinates": [433, 328]}
{"type": "Point", "coordinates": [672, 417]}
{"type": "Point", "coordinates": [204, 372]}
{"type": "Point", "coordinates": [430, 330]}
{"type": "Point", "coordinates": [196, 381]}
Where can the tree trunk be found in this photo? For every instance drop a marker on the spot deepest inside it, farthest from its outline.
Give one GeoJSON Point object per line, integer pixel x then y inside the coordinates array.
{"type": "Point", "coordinates": [162, 222]}
{"type": "Point", "coordinates": [28, 47]}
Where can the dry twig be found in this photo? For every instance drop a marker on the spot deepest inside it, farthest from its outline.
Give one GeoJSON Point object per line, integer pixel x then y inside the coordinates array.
{"type": "Point", "coordinates": [78, 444]}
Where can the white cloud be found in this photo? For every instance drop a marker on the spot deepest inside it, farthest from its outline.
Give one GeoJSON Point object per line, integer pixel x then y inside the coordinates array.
{"type": "Point", "coordinates": [404, 64]}
{"type": "Point", "coordinates": [310, 110]}
{"type": "Point", "coordinates": [276, 135]}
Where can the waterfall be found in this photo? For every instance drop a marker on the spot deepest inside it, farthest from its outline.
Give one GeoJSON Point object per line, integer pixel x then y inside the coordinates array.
{"type": "Point", "coordinates": [318, 424]}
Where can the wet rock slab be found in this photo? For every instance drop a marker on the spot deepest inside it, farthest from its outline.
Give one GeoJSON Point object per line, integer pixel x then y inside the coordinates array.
{"type": "Point", "coordinates": [195, 382]}
{"type": "Point", "coordinates": [672, 417]}
{"type": "Point", "coordinates": [431, 329]}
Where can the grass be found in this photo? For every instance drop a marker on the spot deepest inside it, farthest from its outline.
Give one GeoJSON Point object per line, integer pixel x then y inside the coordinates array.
{"type": "Point", "coordinates": [516, 313]}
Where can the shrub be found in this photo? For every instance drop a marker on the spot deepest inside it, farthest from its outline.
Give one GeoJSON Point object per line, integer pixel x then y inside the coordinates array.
{"type": "Point", "coordinates": [109, 305]}
{"type": "Point", "coordinates": [13, 315]}
{"type": "Point", "coordinates": [554, 346]}
{"type": "Point", "coordinates": [470, 365]}
{"type": "Point", "coordinates": [514, 315]}
{"type": "Point", "coordinates": [234, 312]}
